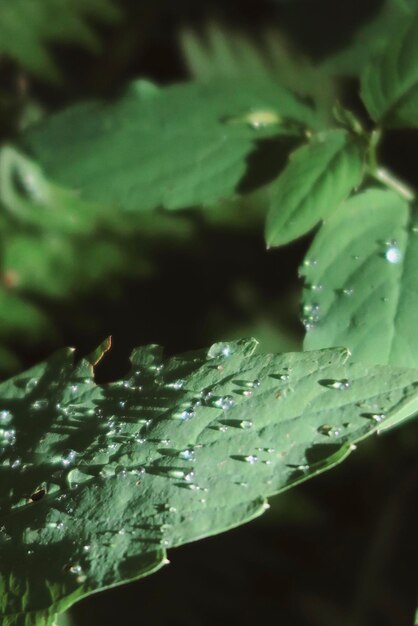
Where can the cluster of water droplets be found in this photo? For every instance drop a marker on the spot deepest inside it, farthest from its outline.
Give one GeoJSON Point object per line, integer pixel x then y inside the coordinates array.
{"type": "Point", "coordinates": [310, 316]}
{"type": "Point", "coordinates": [7, 430]}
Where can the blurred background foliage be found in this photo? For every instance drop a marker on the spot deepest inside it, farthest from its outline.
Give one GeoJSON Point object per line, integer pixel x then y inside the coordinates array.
{"type": "Point", "coordinates": [338, 550]}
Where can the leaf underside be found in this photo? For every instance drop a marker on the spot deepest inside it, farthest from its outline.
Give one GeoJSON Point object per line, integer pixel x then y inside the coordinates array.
{"type": "Point", "coordinates": [98, 481]}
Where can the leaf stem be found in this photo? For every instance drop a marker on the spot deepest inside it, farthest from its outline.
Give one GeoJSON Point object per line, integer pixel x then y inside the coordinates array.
{"type": "Point", "coordinates": [386, 177]}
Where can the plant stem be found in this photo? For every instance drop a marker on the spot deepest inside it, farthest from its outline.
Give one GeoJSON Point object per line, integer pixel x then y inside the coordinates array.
{"type": "Point", "coordinates": [386, 177]}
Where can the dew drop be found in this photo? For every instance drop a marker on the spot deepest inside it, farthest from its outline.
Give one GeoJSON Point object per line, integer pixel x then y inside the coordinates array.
{"type": "Point", "coordinates": [376, 417]}
{"type": "Point", "coordinates": [177, 384]}
{"type": "Point", "coordinates": [393, 254]}
{"type": "Point", "coordinates": [221, 349]}
{"type": "Point", "coordinates": [187, 454]}
{"type": "Point", "coordinates": [38, 405]}
{"type": "Point", "coordinates": [5, 417]}
{"type": "Point", "coordinates": [329, 431]}
{"type": "Point", "coordinates": [68, 457]}
{"type": "Point", "coordinates": [341, 385]}
{"type": "Point", "coordinates": [187, 414]}
{"type": "Point", "coordinates": [225, 402]}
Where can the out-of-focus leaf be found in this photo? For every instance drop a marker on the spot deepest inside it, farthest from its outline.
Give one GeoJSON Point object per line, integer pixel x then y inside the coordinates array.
{"type": "Point", "coordinates": [98, 481]}
{"type": "Point", "coordinates": [389, 84]}
{"type": "Point", "coordinates": [371, 39]}
{"type": "Point", "coordinates": [174, 148]}
{"type": "Point", "coordinates": [27, 26]}
{"type": "Point", "coordinates": [317, 179]}
{"type": "Point", "coordinates": [56, 247]}
{"type": "Point", "coordinates": [223, 53]}
{"type": "Point", "coordinates": [362, 283]}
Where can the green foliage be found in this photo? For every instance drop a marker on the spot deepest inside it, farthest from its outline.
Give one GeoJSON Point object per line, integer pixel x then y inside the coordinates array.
{"type": "Point", "coordinates": [56, 246]}
{"type": "Point", "coordinates": [172, 148]}
{"type": "Point", "coordinates": [27, 26]}
{"type": "Point", "coordinates": [371, 38]}
{"type": "Point", "coordinates": [361, 274]}
{"type": "Point", "coordinates": [390, 83]}
{"type": "Point", "coordinates": [98, 481]}
{"type": "Point", "coordinates": [222, 53]}
{"type": "Point", "coordinates": [317, 179]}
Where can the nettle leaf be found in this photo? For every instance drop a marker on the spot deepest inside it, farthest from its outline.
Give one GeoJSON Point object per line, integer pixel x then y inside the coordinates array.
{"type": "Point", "coordinates": [98, 481]}
{"type": "Point", "coordinates": [174, 147]}
{"type": "Point", "coordinates": [318, 177]}
{"type": "Point", "coordinates": [389, 85]}
{"type": "Point", "coordinates": [26, 27]}
{"type": "Point", "coordinates": [223, 52]}
{"type": "Point", "coordinates": [362, 283]}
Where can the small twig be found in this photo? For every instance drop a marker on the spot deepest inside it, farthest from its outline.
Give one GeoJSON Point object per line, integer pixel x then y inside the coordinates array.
{"type": "Point", "coordinates": [388, 179]}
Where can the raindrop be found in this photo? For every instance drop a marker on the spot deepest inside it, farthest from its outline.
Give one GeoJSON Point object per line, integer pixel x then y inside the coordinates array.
{"type": "Point", "coordinates": [206, 395]}
{"type": "Point", "coordinates": [7, 437]}
{"type": "Point", "coordinates": [225, 402]}
{"type": "Point", "coordinates": [177, 384]}
{"type": "Point", "coordinates": [376, 417]}
{"type": "Point", "coordinates": [177, 473]}
{"type": "Point", "coordinates": [221, 349]}
{"type": "Point", "coordinates": [68, 457]}
{"type": "Point", "coordinates": [187, 454]}
{"type": "Point", "coordinates": [341, 385]}
{"type": "Point", "coordinates": [310, 262]}
{"type": "Point", "coordinates": [187, 414]}
{"type": "Point", "coordinates": [5, 417]}
{"type": "Point", "coordinates": [317, 287]}
{"type": "Point", "coordinates": [38, 405]}
{"type": "Point", "coordinates": [392, 253]}
{"type": "Point", "coordinates": [262, 119]}
{"type": "Point", "coordinates": [329, 431]}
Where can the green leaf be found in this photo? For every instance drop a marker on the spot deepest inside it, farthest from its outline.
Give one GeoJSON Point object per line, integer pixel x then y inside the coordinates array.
{"type": "Point", "coordinates": [370, 39]}
{"type": "Point", "coordinates": [98, 481]}
{"type": "Point", "coordinates": [223, 52]}
{"type": "Point", "coordinates": [27, 26]}
{"type": "Point", "coordinates": [172, 148]}
{"type": "Point", "coordinates": [318, 177]}
{"type": "Point", "coordinates": [362, 283]}
{"type": "Point", "coordinates": [389, 85]}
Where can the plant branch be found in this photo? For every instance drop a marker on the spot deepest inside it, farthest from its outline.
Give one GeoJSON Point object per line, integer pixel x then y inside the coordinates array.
{"type": "Point", "coordinates": [388, 179]}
